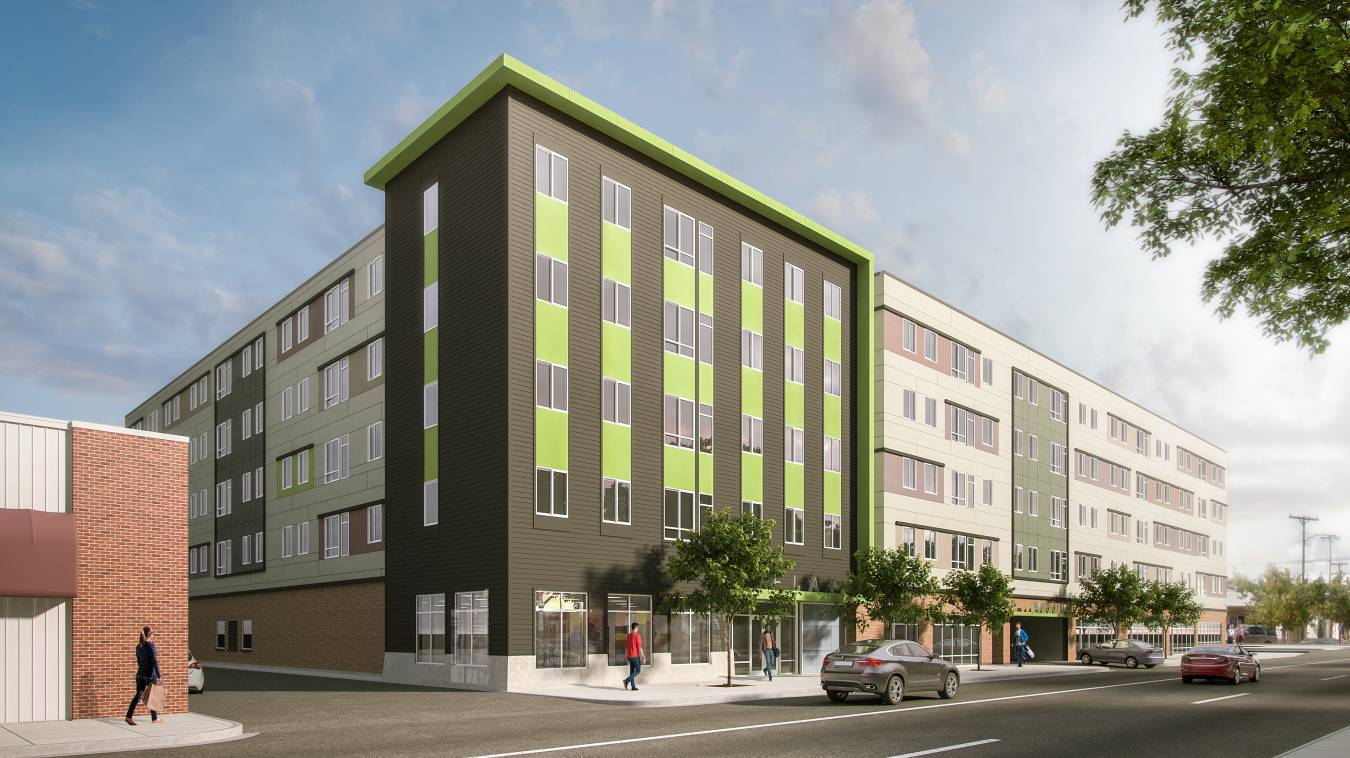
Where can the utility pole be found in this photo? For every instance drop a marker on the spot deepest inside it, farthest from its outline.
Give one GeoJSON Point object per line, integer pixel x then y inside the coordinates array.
{"type": "Point", "coordinates": [1330, 538]}
{"type": "Point", "coordinates": [1340, 566]}
{"type": "Point", "coordinates": [1303, 566]}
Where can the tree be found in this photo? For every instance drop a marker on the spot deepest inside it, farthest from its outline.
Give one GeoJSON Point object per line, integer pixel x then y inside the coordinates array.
{"type": "Point", "coordinates": [1278, 599]}
{"type": "Point", "coordinates": [1169, 604]}
{"type": "Point", "coordinates": [1338, 603]}
{"type": "Point", "coordinates": [733, 566]}
{"type": "Point", "coordinates": [1112, 596]}
{"type": "Point", "coordinates": [984, 595]}
{"type": "Point", "coordinates": [1254, 149]}
{"type": "Point", "coordinates": [892, 586]}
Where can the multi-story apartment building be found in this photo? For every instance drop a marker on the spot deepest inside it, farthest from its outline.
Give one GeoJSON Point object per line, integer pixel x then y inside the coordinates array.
{"type": "Point", "coordinates": [990, 452]}
{"type": "Point", "coordinates": [460, 453]}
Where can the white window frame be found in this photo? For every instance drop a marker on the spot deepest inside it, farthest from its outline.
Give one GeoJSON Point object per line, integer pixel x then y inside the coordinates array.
{"type": "Point", "coordinates": [375, 277]}
{"type": "Point", "coordinates": [375, 441]}
{"type": "Point", "coordinates": [337, 535]}
{"type": "Point", "coordinates": [336, 459]}
{"type": "Point", "coordinates": [616, 203]}
{"type": "Point", "coordinates": [336, 382]}
{"type": "Point", "coordinates": [431, 306]}
{"type": "Point", "coordinates": [430, 404]}
{"type": "Point", "coordinates": [375, 524]}
{"type": "Point", "coordinates": [375, 359]}
{"type": "Point", "coordinates": [752, 264]}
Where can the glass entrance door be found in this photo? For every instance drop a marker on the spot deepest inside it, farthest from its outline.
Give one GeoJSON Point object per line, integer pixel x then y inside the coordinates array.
{"type": "Point", "coordinates": [747, 657]}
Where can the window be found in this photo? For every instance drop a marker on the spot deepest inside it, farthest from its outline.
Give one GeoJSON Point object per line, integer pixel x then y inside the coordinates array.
{"type": "Point", "coordinates": [752, 435]}
{"type": "Point", "coordinates": [1019, 498]}
{"type": "Point", "coordinates": [679, 422]}
{"type": "Point", "coordinates": [1093, 415]}
{"type": "Point", "coordinates": [834, 448]}
{"type": "Point", "coordinates": [616, 501]}
{"type": "Point", "coordinates": [286, 472]}
{"type": "Point", "coordinates": [1059, 406]}
{"type": "Point", "coordinates": [1141, 442]}
{"type": "Point", "coordinates": [1059, 512]}
{"type": "Point", "coordinates": [834, 381]}
{"type": "Point", "coordinates": [559, 630]}
{"type": "Point", "coordinates": [430, 404]}
{"type": "Point", "coordinates": [986, 552]}
{"type": "Point", "coordinates": [908, 401]}
{"type": "Point", "coordinates": [246, 424]}
{"type": "Point", "coordinates": [961, 426]}
{"type": "Point", "coordinates": [1141, 532]}
{"type": "Point", "coordinates": [752, 349]}
{"type": "Point", "coordinates": [963, 552]}
{"type": "Point", "coordinates": [794, 526]}
{"type": "Point", "coordinates": [705, 248]}
{"type": "Point", "coordinates": [302, 324]}
{"type": "Point", "coordinates": [988, 372]}
{"type": "Point", "coordinates": [431, 505]}
{"type": "Point", "coordinates": [616, 203]}
{"type": "Point", "coordinates": [616, 302]}
{"type": "Point", "coordinates": [963, 363]}
{"type": "Point", "coordinates": [303, 538]}
{"type": "Point", "coordinates": [1033, 559]}
{"type": "Point", "coordinates": [223, 557]}
{"type": "Point", "coordinates": [1059, 565]}
{"type": "Point", "coordinates": [220, 635]}
{"type": "Point", "coordinates": [550, 173]}
{"type": "Point", "coordinates": [337, 535]}
{"type": "Point", "coordinates": [930, 344]}
{"type": "Point", "coordinates": [430, 629]}
{"type": "Point", "coordinates": [258, 547]}
{"type": "Point", "coordinates": [1017, 557]}
{"type": "Point", "coordinates": [705, 428]}
{"type": "Point", "coordinates": [374, 524]}
{"type": "Point", "coordinates": [833, 531]}
{"type": "Point", "coordinates": [223, 379]}
{"type": "Point", "coordinates": [794, 364]}
{"type": "Point", "coordinates": [375, 277]}
{"type": "Point", "coordinates": [550, 492]}
{"type": "Point", "coordinates": [907, 335]}
{"type": "Point", "coordinates": [431, 306]}
{"type": "Point", "coordinates": [1140, 486]}
{"type": "Point", "coordinates": [988, 492]}
{"type": "Point", "coordinates": [752, 264]}
{"type": "Point", "coordinates": [550, 280]}
{"type": "Point", "coordinates": [303, 466]}
{"type": "Point", "coordinates": [245, 368]}
{"type": "Point", "coordinates": [431, 208]}
{"type": "Point", "coordinates": [246, 487]}
{"type": "Point", "coordinates": [615, 401]}
{"type": "Point", "coordinates": [794, 445]}
{"type": "Point", "coordinates": [679, 236]}
{"type": "Point", "coordinates": [930, 412]}
{"type": "Point", "coordinates": [1093, 514]}
{"type": "Point", "coordinates": [679, 513]}
{"type": "Point", "coordinates": [224, 496]}
{"type": "Point", "coordinates": [1059, 458]}
{"type": "Point", "coordinates": [679, 330]}
{"type": "Point", "coordinates": [287, 403]}
{"type": "Point", "coordinates": [471, 628]}
{"type": "Point", "coordinates": [302, 395]}
{"type": "Point", "coordinates": [375, 441]}
{"type": "Point", "coordinates": [1033, 447]}
{"type": "Point", "coordinates": [246, 551]}
{"type": "Point", "coordinates": [1033, 503]}
{"type": "Point", "coordinates": [375, 358]}
{"type": "Point", "coordinates": [986, 431]}
{"type": "Point", "coordinates": [705, 339]}
{"type": "Point", "coordinates": [258, 418]}
{"type": "Point", "coordinates": [794, 283]}
{"type": "Point", "coordinates": [550, 386]}
{"type": "Point", "coordinates": [336, 464]}
{"type": "Point", "coordinates": [963, 489]}
{"type": "Point", "coordinates": [834, 297]}
{"type": "Point", "coordinates": [336, 308]}
{"type": "Point", "coordinates": [930, 544]}
{"type": "Point", "coordinates": [907, 469]}
{"type": "Point", "coordinates": [335, 382]}
{"type": "Point", "coordinates": [930, 478]}
{"type": "Point", "coordinates": [287, 541]}
{"type": "Point", "coordinates": [749, 506]}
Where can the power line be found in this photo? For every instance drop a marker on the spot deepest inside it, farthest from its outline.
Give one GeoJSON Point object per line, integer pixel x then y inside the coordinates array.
{"type": "Point", "coordinates": [1303, 565]}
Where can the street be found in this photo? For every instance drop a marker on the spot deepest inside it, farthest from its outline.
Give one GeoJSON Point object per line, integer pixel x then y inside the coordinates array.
{"type": "Point", "coordinates": [1108, 712]}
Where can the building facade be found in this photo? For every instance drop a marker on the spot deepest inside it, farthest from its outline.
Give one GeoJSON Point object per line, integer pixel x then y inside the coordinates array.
{"type": "Point", "coordinates": [990, 452]}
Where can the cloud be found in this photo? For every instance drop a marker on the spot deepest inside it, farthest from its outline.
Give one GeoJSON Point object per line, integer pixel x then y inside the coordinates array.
{"type": "Point", "coordinates": [837, 210]}
{"type": "Point", "coordinates": [986, 88]}
{"type": "Point", "coordinates": [889, 73]}
{"type": "Point", "coordinates": [957, 143]}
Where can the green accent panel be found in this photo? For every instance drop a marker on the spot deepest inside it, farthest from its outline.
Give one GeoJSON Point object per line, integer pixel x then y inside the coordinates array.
{"type": "Point", "coordinates": [794, 405]}
{"type": "Point", "coordinates": [431, 261]}
{"type": "Point", "coordinates": [550, 226]}
{"type": "Point", "coordinates": [834, 488]}
{"type": "Point", "coordinates": [752, 307]}
{"type": "Point", "coordinates": [616, 351]}
{"type": "Point", "coordinates": [431, 448]}
{"type": "Point", "coordinates": [752, 477]}
{"type": "Point", "coordinates": [550, 332]}
{"type": "Point", "coordinates": [431, 365]}
{"type": "Point", "coordinates": [679, 283]}
{"type": "Point", "coordinates": [679, 471]}
{"type": "Point", "coordinates": [794, 324]}
{"type": "Point", "coordinates": [752, 392]}
{"type": "Point", "coordinates": [550, 438]}
{"type": "Point", "coordinates": [679, 375]}
{"type": "Point", "coordinates": [794, 485]}
{"type": "Point", "coordinates": [705, 293]}
{"type": "Point", "coordinates": [833, 416]}
{"type": "Point", "coordinates": [705, 383]}
{"type": "Point", "coordinates": [616, 451]}
{"type": "Point", "coordinates": [705, 473]}
{"type": "Point", "coordinates": [616, 246]}
{"type": "Point", "coordinates": [834, 349]}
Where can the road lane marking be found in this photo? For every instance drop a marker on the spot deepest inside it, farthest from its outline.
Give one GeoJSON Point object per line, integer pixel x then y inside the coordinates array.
{"type": "Point", "coordinates": [1217, 699]}
{"type": "Point", "coordinates": [944, 749]}
{"type": "Point", "coordinates": [817, 719]}
{"type": "Point", "coordinates": [1329, 678]}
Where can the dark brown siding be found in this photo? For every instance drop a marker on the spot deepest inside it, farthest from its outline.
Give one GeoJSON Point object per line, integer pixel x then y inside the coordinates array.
{"type": "Point", "coordinates": [467, 550]}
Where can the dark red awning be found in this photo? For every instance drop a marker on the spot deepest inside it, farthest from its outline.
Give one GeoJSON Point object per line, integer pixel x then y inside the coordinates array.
{"type": "Point", "coordinates": [38, 554]}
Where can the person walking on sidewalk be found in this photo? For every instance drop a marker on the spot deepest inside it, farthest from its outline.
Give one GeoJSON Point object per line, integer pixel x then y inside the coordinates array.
{"type": "Point", "coordinates": [768, 648]}
{"type": "Point", "coordinates": [1019, 640]}
{"type": "Point", "coordinates": [147, 672]}
{"type": "Point", "coordinates": [634, 657]}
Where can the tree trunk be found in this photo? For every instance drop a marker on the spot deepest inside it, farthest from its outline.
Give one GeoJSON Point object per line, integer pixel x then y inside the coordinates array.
{"type": "Point", "coordinates": [1167, 640]}
{"type": "Point", "coordinates": [731, 643]}
{"type": "Point", "coordinates": [979, 647]}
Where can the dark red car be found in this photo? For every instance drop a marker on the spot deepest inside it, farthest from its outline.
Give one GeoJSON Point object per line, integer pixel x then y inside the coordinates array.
{"type": "Point", "coordinates": [1230, 663]}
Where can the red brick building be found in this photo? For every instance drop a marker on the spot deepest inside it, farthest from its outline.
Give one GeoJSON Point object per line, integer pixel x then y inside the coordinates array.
{"type": "Point", "coordinates": [93, 544]}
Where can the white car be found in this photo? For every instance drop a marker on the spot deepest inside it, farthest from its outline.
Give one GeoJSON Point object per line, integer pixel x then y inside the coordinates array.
{"type": "Point", "coordinates": [196, 675]}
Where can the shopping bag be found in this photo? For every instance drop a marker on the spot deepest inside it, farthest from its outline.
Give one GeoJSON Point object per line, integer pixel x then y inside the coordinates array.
{"type": "Point", "coordinates": [1031, 654]}
{"type": "Point", "coordinates": [155, 700]}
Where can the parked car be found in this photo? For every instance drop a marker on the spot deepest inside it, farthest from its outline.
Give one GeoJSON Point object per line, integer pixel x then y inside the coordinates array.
{"type": "Point", "coordinates": [196, 675]}
{"type": "Point", "coordinates": [1227, 662]}
{"type": "Point", "coordinates": [888, 669]}
{"type": "Point", "coordinates": [1255, 634]}
{"type": "Point", "coordinates": [1132, 653]}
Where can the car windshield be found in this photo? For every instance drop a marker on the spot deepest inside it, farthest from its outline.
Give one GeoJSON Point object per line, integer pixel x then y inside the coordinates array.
{"type": "Point", "coordinates": [862, 647]}
{"type": "Point", "coordinates": [1216, 649]}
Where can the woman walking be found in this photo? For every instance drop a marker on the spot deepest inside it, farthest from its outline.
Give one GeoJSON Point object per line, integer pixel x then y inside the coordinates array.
{"type": "Point", "coordinates": [768, 649]}
{"type": "Point", "coordinates": [147, 672]}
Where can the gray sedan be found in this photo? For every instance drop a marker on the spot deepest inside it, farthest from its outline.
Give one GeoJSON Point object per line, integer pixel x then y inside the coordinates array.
{"type": "Point", "coordinates": [887, 668]}
{"type": "Point", "coordinates": [1132, 653]}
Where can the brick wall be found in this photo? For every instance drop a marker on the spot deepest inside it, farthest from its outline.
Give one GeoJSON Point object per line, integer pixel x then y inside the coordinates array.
{"type": "Point", "coordinates": [337, 627]}
{"type": "Point", "coordinates": [129, 497]}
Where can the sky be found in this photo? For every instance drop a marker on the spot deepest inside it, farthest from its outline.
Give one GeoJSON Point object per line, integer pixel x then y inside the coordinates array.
{"type": "Point", "coordinates": [173, 168]}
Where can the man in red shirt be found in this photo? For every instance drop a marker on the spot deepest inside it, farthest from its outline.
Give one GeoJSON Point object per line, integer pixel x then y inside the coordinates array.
{"type": "Point", "coordinates": [634, 657]}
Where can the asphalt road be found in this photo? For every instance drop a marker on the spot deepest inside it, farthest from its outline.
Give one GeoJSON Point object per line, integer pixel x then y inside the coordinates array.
{"type": "Point", "coordinates": [1115, 712]}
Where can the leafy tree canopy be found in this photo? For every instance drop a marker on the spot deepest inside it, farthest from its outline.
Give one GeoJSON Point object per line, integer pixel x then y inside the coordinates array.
{"type": "Point", "coordinates": [1254, 149]}
{"type": "Point", "coordinates": [984, 596]}
{"type": "Point", "coordinates": [892, 586]}
{"type": "Point", "coordinates": [1279, 599]}
{"type": "Point", "coordinates": [1169, 604]}
{"type": "Point", "coordinates": [1113, 596]}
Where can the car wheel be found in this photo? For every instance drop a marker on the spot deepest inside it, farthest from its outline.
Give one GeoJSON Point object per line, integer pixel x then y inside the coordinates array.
{"type": "Point", "coordinates": [1132, 662]}
{"type": "Point", "coordinates": [953, 682]}
{"type": "Point", "coordinates": [1187, 679]}
{"type": "Point", "coordinates": [1086, 658]}
{"type": "Point", "coordinates": [1237, 675]}
{"type": "Point", "coordinates": [894, 691]}
{"type": "Point", "coordinates": [1256, 675]}
{"type": "Point", "coordinates": [837, 696]}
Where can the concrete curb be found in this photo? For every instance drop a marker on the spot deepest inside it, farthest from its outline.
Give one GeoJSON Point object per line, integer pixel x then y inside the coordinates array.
{"type": "Point", "coordinates": [226, 731]}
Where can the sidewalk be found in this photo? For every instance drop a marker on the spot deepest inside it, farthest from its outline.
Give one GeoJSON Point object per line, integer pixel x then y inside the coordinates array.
{"type": "Point", "coordinates": [42, 738]}
{"type": "Point", "coordinates": [1334, 745]}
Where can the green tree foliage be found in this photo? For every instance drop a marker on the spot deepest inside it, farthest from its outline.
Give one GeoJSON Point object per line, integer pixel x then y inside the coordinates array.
{"type": "Point", "coordinates": [1112, 596]}
{"type": "Point", "coordinates": [984, 596]}
{"type": "Point", "coordinates": [1279, 599]}
{"type": "Point", "coordinates": [1338, 603]}
{"type": "Point", "coordinates": [1169, 604]}
{"type": "Point", "coordinates": [733, 568]}
{"type": "Point", "coordinates": [892, 586]}
{"type": "Point", "coordinates": [1253, 149]}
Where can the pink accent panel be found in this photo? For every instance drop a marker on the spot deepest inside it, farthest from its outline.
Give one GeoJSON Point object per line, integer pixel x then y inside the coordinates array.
{"type": "Point", "coordinates": [893, 477]}
{"type": "Point", "coordinates": [944, 354]}
{"type": "Point", "coordinates": [894, 329]}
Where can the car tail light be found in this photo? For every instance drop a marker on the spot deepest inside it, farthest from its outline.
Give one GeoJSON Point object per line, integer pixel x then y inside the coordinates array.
{"type": "Point", "coordinates": [871, 662]}
{"type": "Point", "coordinates": [826, 662]}
{"type": "Point", "coordinates": [194, 665]}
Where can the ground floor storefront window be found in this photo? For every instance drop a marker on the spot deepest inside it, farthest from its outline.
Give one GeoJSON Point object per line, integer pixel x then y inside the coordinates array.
{"type": "Point", "coordinates": [471, 628]}
{"type": "Point", "coordinates": [1093, 635]}
{"type": "Point", "coordinates": [1209, 633]}
{"type": "Point", "coordinates": [958, 642]}
{"type": "Point", "coordinates": [1183, 638]}
{"type": "Point", "coordinates": [559, 629]}
{"type": "Point", "coordinates": [905, 632]}
{"type": "Point", "coordinates": [431, 628]}
{"type": "Point", "coordinates": [690, 638]}
{"type": "Point", "coordinates": [622, 612]}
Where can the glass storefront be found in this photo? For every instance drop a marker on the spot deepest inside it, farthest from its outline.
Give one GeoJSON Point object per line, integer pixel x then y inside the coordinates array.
{"type": "Point", "coordinates": [623, 611]}
{"type": "Point", "coordinates": [958, 642]}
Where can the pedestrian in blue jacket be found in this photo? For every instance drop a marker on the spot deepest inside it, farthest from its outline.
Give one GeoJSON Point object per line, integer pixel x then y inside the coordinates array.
{"type": "Point", "coordinates": [1019, 640]}
{"type": "Point", "coordinates": [147, 672]}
